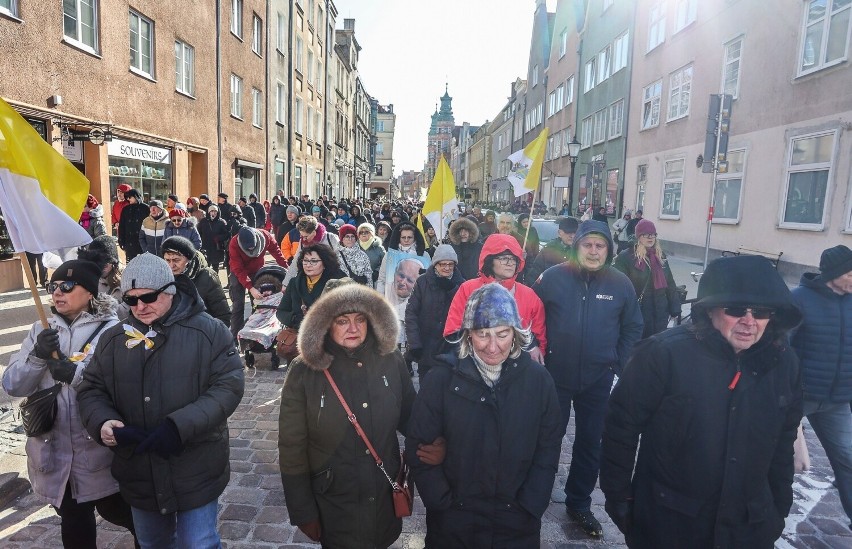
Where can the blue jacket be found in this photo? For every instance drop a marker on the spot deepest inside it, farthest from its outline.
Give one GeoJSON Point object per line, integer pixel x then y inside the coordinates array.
{"type": "Point", "coordinates": [188, 229]}
{"type": "Point", "coordinates": [824, 340]}
{"type": "Point", "coordinates": [592, 318]}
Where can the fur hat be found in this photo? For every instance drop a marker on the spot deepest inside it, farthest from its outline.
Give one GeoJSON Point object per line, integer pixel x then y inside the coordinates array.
{"type": "Point", "coordinates": [178, 244]}
{"type": "Point", "coordinates": [251, 241]}
{"type": "Point", "coordinates": [133, 193]}
{"type": "Point", "coordinates": [835, 262]}
{"type": "Point", "coordinates": [463, 223]}
{"type": "Point", "coordinates": [350, 298]}
{"type": "Point", "coordinates": [101, 250]}
{"type": "Point", "coordinates": [646, 226]}
{"type": "Point", "coordinates": [85, 273]}
{"type": "Point", "coordinates": [147, 271]}
{"type": "Point", "coordinates": [489, 307]}
{"type": "Point", "coordinates": [445, 252]}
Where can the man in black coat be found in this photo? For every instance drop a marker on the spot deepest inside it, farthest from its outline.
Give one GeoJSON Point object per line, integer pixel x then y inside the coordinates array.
{"type": "Point", "coordinates": [259, 212]}
{"type": "Point", "coordinates": [132, 217]}
{"type": "Point", "coordinates": [464, 237]}
{"type": "Point", "coordinates": [559, 250]}
{"type": "Point", "coordinates": [248, 212]}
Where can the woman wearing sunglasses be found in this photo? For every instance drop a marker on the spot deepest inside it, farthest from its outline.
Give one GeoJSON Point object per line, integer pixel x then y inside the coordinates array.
{"type": "Point", "coordinates": [185, 225]}
{"type": "Point", "coordinates": [315, 265]}
{"type": "Point", "coordinates": [67, 468]}
{"type": "Point", "coordinates": [646, 266]}
{"type": "Point", "coordinates": [717, 404]}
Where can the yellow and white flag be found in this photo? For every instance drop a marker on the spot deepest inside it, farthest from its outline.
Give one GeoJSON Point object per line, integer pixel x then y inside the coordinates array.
{"type": "Point", "coordinates": [525, 173]}
{"type": "Point", "coordinates": [41, 193]}
{"type": "Point", "coordinates": [441, 205]}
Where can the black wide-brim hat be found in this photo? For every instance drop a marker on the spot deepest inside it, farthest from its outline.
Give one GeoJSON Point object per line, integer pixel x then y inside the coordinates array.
{"type": "Point", "coordinates": [746, 280]}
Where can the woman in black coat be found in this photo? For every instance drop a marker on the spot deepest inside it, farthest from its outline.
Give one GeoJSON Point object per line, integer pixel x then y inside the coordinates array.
{"type": "Point", "coordinates": [277, 215]}
{"type": "Point", "coordinates": [214, 237]}
{"type": "Point", "coordinates": [131, 224]}
{"type": "Point", "coordinates": [315, 266]}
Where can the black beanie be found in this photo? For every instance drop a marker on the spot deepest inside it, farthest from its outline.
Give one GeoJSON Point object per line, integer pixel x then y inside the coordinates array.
{"type": "Point", "coordinates": [835, 262]}
{"type": "Point", "coordinates": [178, 244]}
{"type": "Point", "coordinates": [102, 251]}
{"type": "Point", "coordinates": [85, 273]}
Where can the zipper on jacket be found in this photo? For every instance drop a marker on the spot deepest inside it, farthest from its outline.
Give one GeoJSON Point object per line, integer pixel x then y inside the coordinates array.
{"type": "Point", "coordinates": [321, 406]}
{"type": "Point", "coordinates": [386, 381]}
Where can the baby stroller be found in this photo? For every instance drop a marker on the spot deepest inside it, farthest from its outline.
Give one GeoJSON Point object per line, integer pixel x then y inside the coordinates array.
{"type": "Point", "coordinates": [258, 334]}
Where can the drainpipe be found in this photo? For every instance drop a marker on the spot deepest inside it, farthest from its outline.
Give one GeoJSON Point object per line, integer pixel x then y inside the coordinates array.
{"type": "Point", "coordinates": [290, 102]}
{"type": "Point", "coordinates": [219, 94]}
{"type": "Point", "coordinates": [266, 104]}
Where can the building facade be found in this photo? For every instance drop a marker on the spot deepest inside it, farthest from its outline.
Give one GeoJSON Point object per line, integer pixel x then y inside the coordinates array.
{"type": "Point", "coordinates": [440, 139]}
{"type": "Point", "coordinates": [383, 183]}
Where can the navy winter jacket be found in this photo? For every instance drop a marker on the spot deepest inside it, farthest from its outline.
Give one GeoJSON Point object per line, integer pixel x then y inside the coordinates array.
{"type": "Point", "coordinates": [824, 340]}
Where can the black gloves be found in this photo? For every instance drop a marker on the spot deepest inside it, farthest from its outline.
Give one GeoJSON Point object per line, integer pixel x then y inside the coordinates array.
{"type": "Point", "coordinates": [47, 341]}
{"type": "Point", "coordinates": [621, 513]}
{"type": "Point", "coordinates": [414, 355]}
{"type": "Point", "coordinates": [164, 440]}
{"type": "Point", "coordinates": [129, 435]}
{"type": "Point", "coordinates": [62, 370]}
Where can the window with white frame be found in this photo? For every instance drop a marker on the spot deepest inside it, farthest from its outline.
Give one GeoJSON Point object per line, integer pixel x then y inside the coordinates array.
{"type": "Point", "coordinates": [560, 96]}
{"type": "Point", "coordinates": [569, 90]}
{"type": "Point", "coordinates": [672, 189]}
{"type": "Point", "coordinates": [535, 76]}
{"type": "Point", "coordinates": [548, 151]}
{"type": "Point", "coordinates": [318, 125]}
{"type": "Point", "coordinates": [310, 123]}
{"type": "Point", "coordinates": [299, 53]}
{"type": "Point", "coordinates": [9, 7]}
{"type": "Point", "coordinates": [236, 96]}
{"type": "Point", "coordinates": [539, 114]}
{"type": "Point", "coordinates": [184, 68]}
{"type": "Point", "coordinates": [680, 90]}
{"type": "Point", "coordinates": [808, 174]}
{"type": "Point", "coordinates": [616, 118]}
{"type": "Point", "coordinates": [600, 126]}
{"type": "Point", "coordinates": [604, 64]}
{"type": "Point", "coordinates": [281, 103]}
{"type": "Point", "coordinates": [318, 84]}
{"type": "Point", "coordinates": [557, 145]}
{"type": "Point", "coordinates": [256, 34]}
{"type": "Point", "coordinates": [551, 104]}
{"type": "Point", "coordinates": [281, 38]}
{"type": "Point", "coordinates": [563, 43]}
{"type": "Point", "coordinates": [729, 188]}
{"type": "Point", "coordinates": [686, 11]}
{"type": "Point", "coordinates": [825, 34]}
{"type": "Point", "coordinates": [641, 181]}
{"type": "Point", "coordinates": [380, 148]}
{"type": "Point", "coordinates": [310, 65]}
{"type": "Point", "coordinates": [297, 115]}
{"type": "Point", "coordinates": [732, 67]}
{"type": "Point", "coordinates": [619, 52]}
{"type": "Point", "coordinates": [141, 44]}
{"type": "Point", "coordinates": [656, 25]}
{"type": "Point", "coordinates": [586, 132]}
{"type": "Point", "coordinates": [566, 138]}
{"type": "Point", "coordinates": [589, 82]}
{"type": "Point", "coordinates": [79, 21]}
{"type": "Point", "coordinates": [257, 108]}
{"type": "Point", "coordinates": [237, 18]}
{"type": "Point", "coordinates": [651, 105]}
{"type": "Point", "coordinates": [310, 10]}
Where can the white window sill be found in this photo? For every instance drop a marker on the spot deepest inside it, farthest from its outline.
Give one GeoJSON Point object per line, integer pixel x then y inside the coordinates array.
{"type": "Point", "coordinates": [814, 228]}
{"type": "Point", "coordinates": [670, 217]}
{"type": "Point", "coordinates": [725, 221]}
{"type": "Point", "coordinates": [237, 36]}
{"type": "Point", "coordinates": [81, 46]}
{"type": "Point", "coordinates": [237, 117]}
{"type": "Point", "coordinates": [143, 74]}
{"type": "Point", "coordinates": [9, 15]}
{"type": "Point", "coordinates": [183, 93]}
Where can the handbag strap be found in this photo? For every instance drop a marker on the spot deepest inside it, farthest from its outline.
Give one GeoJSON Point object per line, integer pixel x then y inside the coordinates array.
{"type": "Point", "coordinates": [354, 421]}
{"type": "Point", "coordinates": [94, 334]}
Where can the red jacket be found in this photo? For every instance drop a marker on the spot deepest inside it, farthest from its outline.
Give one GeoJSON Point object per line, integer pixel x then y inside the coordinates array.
{"type": "Point", "coordinates": [530, 307]}
{"type": "Point", "coordinates": [117, 206]}
{"type": "Point", "coordinates": [244, 267]}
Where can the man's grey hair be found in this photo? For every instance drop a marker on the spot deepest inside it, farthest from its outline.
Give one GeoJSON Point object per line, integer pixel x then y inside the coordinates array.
{"type": "Point", "coordinates": [506, 215]}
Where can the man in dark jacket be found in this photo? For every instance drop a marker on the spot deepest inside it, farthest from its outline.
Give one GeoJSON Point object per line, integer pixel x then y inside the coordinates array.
{"type": "Point", "coordinates": [225, 207]}
{"type": "Point", "coordinates": [464, 237]}
{"type": "Point", "coordinates": [823, 343]}
{"type": "Point", "coordinates": [214, 237]}
{"type": "Point", "coordinates": [592, 321]}
{"type": "Point", "coordinates": [247, 212]}
{"type": "Point", "coordinates": [426, 312]}
{"type": "Point", "coordinates": [184, 259]}
{"type": "Point", "coordinates": [131, 224]}
{"type": "Point", "coordinates": [159, 391]}
{"type": "Point", "coordinates": [259, 212]}
{"type": "Point", "coordinates": [559, 250]}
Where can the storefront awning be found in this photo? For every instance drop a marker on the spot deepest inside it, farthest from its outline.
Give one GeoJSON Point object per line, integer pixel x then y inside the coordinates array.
{"type": "Point", "coordinates": [240, 163]}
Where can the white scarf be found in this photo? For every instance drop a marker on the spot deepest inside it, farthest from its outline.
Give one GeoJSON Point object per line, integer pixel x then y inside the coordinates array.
{"type": "Point", "coordinates": [490, 374]}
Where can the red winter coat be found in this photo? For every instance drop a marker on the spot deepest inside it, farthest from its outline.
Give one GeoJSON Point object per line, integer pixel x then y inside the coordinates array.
{"type": "Point", "coordinates": [530, 307]}
{"type": "Point", "coordinates": [244, 267]}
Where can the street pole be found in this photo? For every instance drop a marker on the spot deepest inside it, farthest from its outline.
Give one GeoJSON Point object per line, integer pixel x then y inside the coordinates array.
{"type": "Point", "coordinates": [715, 161]}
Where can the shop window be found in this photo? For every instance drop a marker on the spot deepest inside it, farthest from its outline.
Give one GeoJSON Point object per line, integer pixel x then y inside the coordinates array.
{"type": "Point", "coordinates": [79, 22]}
{"type": "Point", "coordinates": [146, 168]}
{"type": "Point", "coordinates": [245, 181]}
{"type": "Point", "coordinates": [184, 68]}
{"type": "Point", "coordinates": [141, 45]}
{"type": "Point", "coordinates": [729, 187]}
{"type": "Point", "coordinates": [672, 189]}
{"type": "Point", "coordinates": [808, 174]}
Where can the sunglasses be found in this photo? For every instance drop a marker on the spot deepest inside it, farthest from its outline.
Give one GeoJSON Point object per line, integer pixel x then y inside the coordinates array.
{"type": "Point", "coordinates": [177, 220]}
{"type": "Point", "coordinates": [150, 297]}
{"type": "Point", "coordinates": [649, 235]}
{"type": "Point", "coordinates": [65, 286]}
{"type": "Point", "coordinates": [758, 313]}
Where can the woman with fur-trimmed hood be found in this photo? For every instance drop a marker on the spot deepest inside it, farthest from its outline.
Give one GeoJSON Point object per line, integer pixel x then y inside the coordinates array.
{"type": "Point", "coordinates": [335, 494]}
{"type": "Point", "coordinates": [464, 237]}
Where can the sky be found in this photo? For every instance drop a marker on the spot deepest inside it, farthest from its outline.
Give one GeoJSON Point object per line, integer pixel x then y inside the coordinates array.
{"type": "Point", "coordinates": [410, 48]}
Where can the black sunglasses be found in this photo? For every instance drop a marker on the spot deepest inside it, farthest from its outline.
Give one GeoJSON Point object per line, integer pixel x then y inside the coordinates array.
{"type": "Point", "coordinates": [65, 286]}
{"type": "Point", "coordinates": [150, 297]}
{"type": "Point", "coordinates": [758, 313]}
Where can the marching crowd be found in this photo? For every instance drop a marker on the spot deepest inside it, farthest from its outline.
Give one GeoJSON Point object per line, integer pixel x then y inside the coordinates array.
{"type": "Point", "coordinates": [689, 430]}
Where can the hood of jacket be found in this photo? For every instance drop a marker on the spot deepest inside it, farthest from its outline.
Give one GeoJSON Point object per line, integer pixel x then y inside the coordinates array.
{"type": "Point", "coordinates": [97, 211]}
{"type": "Point", "coordinates": [591, 226]}
{"type": "Point", "coordinates": [496, 244]}
{"type": "Point", "coordinates": [393, 241]}
{"type": "Point", "coordinates": [458, 225]}
{"type": "Point", "coordinates": [815, 282]}
{"type": "Point", "coordinates": [196, 265]}
{"type": "Point", "coordinates": [350, 298]}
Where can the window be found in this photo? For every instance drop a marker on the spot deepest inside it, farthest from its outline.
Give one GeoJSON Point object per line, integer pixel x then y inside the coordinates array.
{"type": "Point", "coordinates": [380, 148]}
{"type": "Point", "coordinates": [589, 82]}
{"type": "Point", "coordinates": [237, 18]}
{"type": "Point", "coordinates": [281, 42]}
{"type": "Point", "coordinates": [552, 105]}
{"type": "Point", "coordinates": [310, 123]}
{"type": "Point", "coordinates": [299, 53]}
{"type": "Point", "coordinates": [604, 60]}
{"type": "Point", "coordinates": [685, 14]}
{"type": "Point", "coordinates": [310, 75]}
{"type": "Point", "coordinates": [539, 114]}
{"type": "Point", "coordinates": [297, 180]}
{"type": "Point", "coordinates": [616, 118]}
{"type": "Point", "coordinates": [9, 7]}
{"type": "Point", "coordinates": [808, 172]}
{"type": "Point", "coordinates": [600, 126]}
{"type": "Point", "coordinates": [318, 84]}
{"type": "Point", "coordinates": [236, 96]}
{"type": "Point", "coordinates": [245, 180]}
{"type": "Point", "coordinates": [79, 21]}
{"type": "Point", "coordinates": [535, 76]}
{"type": "Point", "coordinates": [680, 88]}
{"type": "Point", "coordinates": [310, 10]}
{"type": "Point", "coordinates": [825, 34]}
{"type": "Point", "coordinates": [141, 44]}
{"type": "Point", "coordinates": [281, 103]}
{"type": "Point", "coordinates": [184, 68]}
{"type": "Point", "coordinates": [566, 138]}
{"type": "Point", "coordinates": [657, 26]}
{"type": "Point", "coordinates": [297, 115]}
{"type": "Point", "coordinates": [563, 43]}
{"type": "Point", "coordinates": [732, 66]}
{"type": "Point", "coordinates": [548, 149]}
{"type": "Point", "coordinates": [257, 108]}
{"type": "Point", "coordinates": [569, 90]}
{"type": "Point", "coordinates": [651, 105]}
{"type": "Point", "coordinates": [279, 175]}
{"type": "Point", "coordinates": [380, 125]}
{"type": "Point", "coordinates": [619, 52]}
{"type": "Point", "coordinates": [318, 125]}
{"type": "Point", "coordinates": [729, 186]}
{"type": "Point", "coordinates": [641, 180]}
{"type": "Point", "coordinates": [672, 188]}
{"type": "Point", "coordinates": [586, 132]}
{"type": "Point", "coordinates": [256, 35]}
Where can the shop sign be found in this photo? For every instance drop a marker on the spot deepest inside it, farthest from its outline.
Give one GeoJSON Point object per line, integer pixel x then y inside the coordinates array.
{"type": "Point", "coordinates": [138, 151]}
{"type": "Point", "coordinates": [72, 150]}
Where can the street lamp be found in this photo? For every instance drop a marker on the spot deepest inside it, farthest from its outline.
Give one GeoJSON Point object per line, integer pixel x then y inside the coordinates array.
{"type": "Point", "coordinates": [573, 155]}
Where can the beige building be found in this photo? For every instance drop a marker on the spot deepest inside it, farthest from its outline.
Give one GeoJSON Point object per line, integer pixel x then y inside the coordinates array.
{"type": "Point", "coordinates": [479, 169]}
{"type": "Point", "coordinates": [385, 124]}
{"type": "Point", "coordinates": [787, 183]}
{"type": "Point", "coordinates": [346, 51]}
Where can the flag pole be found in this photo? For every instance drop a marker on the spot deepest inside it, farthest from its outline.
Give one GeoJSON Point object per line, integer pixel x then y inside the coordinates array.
{"type": "Point", "coordinates": [42, 316]}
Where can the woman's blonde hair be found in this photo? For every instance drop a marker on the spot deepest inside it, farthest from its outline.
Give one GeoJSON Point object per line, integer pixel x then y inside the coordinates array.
{"type": "Point", "coordinates": [642, 253]}
{"type": "Point", "coordinates": [520, 341]}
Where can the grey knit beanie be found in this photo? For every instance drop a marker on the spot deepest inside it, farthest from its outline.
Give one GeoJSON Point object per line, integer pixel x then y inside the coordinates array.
{"type": "Point", "coordinates": [293, 209]}
{"type": "Point", "coordinates": [147, 271]}
{"type": "Point", "coordinates": [445, 252]}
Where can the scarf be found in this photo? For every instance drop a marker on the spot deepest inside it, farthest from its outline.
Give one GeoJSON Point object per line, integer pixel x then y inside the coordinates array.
{"type": "Point", "coordinates": [311, 282]}
{"type": "Point", "coordinates": [657, 272]}
{"type": "Point", "coordinates": [490, 374]}
{"type": "Point", "coordinates": [366, 245]}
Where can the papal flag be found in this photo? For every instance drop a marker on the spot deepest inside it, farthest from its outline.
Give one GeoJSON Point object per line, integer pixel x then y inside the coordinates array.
{"type": "Point", "coordinates": [441, 205]}
{"type": "Point", "coordinates": [41, 193]}
{"type": "Point", "coordinates": [525, 173]}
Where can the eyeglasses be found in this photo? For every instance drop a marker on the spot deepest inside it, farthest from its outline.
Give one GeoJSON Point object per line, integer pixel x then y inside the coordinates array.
{"type": "Point", "coordinates": [507, 259]}
{"type": "Point", "coordinates": [349, 236]}
{"type": "Point", "coordinates": [65, 286]}
{"type": "Point", "coordinates": [649, 235]}
{"type": "Point", "coordinates": [311, 261]}
{"type": "Point", "coordinates": [758, 313]}
{"type": "Point", "coordinates": [445, 264]}
{"type": "Point", "coordinates": [150, 297]}
{"type": "Point", "coordinates": [362, 233]}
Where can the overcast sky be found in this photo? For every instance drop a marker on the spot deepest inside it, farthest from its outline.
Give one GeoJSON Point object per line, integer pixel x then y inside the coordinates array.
{"type": "Point", "coordinates": [410, 48]}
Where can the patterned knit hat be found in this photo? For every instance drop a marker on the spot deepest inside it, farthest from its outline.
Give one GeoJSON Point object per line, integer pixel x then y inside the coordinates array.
{"type": "Point", "coordinates": [489, 307]}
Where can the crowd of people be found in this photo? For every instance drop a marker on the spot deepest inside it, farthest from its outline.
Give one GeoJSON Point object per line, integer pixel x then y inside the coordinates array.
{"type": "Point", "coordinates": [508, 336]}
